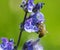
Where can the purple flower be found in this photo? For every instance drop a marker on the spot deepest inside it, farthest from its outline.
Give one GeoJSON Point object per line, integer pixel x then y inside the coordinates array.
{"type": "Point", "coordinates": [29, 27]}
{"type": "Point", "coordinates": [37, 47]}
{"type": "Point", "coordinates": [37, 7]}
{"type": "Point", "coordinates": [23, 3]}
{"type": "Point", "coordinates": [30, 23]}
{"type": "Point", "coordinates": [27, 5]}
{"type": "Point", "coordinates": [1, 48]}
{"type": "Point", "coordinates": [30, 5]}
{"type": "Point", "coordinates": [4, 42]}
{"type": "Point", "coordinates": [6, 45]}
{"type": "Point", "coordinates": [37, 18]}
{"type": "Point", "coordinates": [32, 45]}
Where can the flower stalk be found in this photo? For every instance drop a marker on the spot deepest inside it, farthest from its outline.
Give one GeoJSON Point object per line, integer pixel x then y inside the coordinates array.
{"type": "Point", "coordinates": [19, 38]}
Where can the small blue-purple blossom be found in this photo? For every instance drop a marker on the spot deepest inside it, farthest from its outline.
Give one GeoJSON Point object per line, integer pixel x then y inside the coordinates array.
{"type": "Point", "coordinates": [37, 7]}
{"type": "Point", "coordinates": [27, 5]}
{"type": "Point", "coordinates": [6, 44]}
{"type": "Point", "coordinates": [29, 27]}
{"type": "Point", "coordinates": [23, 4]}
{"type": "Point", "coordinates": [37, 47]}
{"type": "Point", "coordinates": [32, 45]}
{"type": "Point", "coordinates": [30, 5]}
{"type": "Point", "coordinates": [37, 17]}
{"type": "Point", "coordinates": [30, 24]}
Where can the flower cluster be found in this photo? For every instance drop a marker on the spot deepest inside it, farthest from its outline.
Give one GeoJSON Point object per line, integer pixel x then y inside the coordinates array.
{"type": "Point", "coordinates": [35, 17]}
{"type": "Point", "coordinates": [32, 45]}
{"type": "Point", "coordinates": [6, 44]}
{"type": "Point", "coordinates": [33, 23]}
{"type": "Point", "coordinates": [30, 6]}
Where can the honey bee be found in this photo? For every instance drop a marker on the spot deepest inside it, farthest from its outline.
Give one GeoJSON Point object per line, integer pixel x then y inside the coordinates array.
{"type": "Point", "coordinates": [42, 29]}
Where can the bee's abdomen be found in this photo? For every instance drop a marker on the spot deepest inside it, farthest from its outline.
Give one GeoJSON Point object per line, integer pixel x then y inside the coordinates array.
{"type": "Point", "coordinates": [42, 30]}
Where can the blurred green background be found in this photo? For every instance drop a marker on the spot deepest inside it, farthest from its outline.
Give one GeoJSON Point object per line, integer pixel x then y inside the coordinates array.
{"type": "Point", "coordinates": [11, 15]}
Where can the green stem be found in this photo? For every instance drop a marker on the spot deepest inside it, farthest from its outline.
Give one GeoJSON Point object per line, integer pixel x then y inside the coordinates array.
{"type": "Point", "coordinates": [19, 38]}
